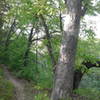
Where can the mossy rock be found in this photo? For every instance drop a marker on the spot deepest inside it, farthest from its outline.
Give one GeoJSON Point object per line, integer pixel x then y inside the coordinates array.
{"type": "Point", "coordinates": [91, 79]}
{"type": "Point", "coordinates": [90, 84]}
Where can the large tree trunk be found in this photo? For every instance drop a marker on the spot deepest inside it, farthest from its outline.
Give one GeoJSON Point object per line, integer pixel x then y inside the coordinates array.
{"type": "Point", "coordinates": [63, 83]}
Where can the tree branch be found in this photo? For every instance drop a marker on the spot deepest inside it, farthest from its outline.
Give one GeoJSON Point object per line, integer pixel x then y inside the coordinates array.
{"type": "Point", "coordinates": [49, 45]}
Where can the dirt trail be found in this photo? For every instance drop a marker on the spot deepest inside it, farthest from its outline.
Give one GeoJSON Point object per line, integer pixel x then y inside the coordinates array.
{"type": "Point", "coordinates": [22, 91]}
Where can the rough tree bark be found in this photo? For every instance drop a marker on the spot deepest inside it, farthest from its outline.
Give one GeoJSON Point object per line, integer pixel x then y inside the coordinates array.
{"type": "Point", "coordinates": [63, 82]}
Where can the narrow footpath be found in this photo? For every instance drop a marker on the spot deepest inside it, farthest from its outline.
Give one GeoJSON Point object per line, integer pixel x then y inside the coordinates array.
{"type": "Point", "coordinates": [22, 91]}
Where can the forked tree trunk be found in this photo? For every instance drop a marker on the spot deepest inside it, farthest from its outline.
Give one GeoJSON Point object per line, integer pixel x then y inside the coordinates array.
{"type": "Point", "coordinates": [63, 82]}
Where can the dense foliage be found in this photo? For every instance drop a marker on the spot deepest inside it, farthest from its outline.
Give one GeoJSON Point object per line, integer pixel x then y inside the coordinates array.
{"type": "Point", "coordinates": [30, 37]}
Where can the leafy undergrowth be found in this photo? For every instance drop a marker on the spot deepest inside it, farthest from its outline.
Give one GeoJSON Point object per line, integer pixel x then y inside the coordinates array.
{"type": "Point", "coordinates": [38, 92]}
{"type": "Point", "coordinates": [88, 93]}
{"type": "Point", "coordinates": [79, 94]}
{"type": "Point", "coordinates": [6, 88]}
{"type": "Point", "coordinates": [42, 96]}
